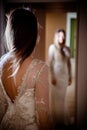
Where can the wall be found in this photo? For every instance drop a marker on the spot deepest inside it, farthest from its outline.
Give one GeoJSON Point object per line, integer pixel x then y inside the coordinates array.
{"type": "Point", "coordinates": [81, 81]}
{"type": "Point", "coordinates": [54, 20]}
{"type": "Point", "coordinates": [40, 49]}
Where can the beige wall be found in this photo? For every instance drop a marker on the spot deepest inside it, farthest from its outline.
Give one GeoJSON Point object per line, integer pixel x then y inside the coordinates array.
{"type": "Point", "coordinates": [40, 48]}
{"type": "Point", "coordinates": [54, 20]}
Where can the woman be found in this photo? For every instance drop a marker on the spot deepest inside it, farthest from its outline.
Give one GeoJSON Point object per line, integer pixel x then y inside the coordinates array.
{"type": "Point", "coordinates": [24, 87]}
{"type": "Point", "coordinates": [60, 76]}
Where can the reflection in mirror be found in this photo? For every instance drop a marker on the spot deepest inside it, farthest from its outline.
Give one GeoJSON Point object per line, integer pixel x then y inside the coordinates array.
{"type": "Point", "coordinates": [63, 16]}
{"type": "Point", "coordinates": [60, 77]}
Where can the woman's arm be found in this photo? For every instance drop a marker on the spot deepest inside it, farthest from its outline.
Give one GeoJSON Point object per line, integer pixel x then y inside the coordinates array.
{"type": "Point", "coordinates": [67, 54]}
{"type": "Point", "coordinates": [51, 61]}
{"type": "Point", "coordinates": [3, 103]}
{"type": "Point", "coordinates": [42, 99]}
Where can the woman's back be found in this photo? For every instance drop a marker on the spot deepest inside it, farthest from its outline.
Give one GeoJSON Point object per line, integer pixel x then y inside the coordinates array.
{"type": "Point", "coordinates": [26, 95]}
{"type": "Point", "coordinates": [24, 86]}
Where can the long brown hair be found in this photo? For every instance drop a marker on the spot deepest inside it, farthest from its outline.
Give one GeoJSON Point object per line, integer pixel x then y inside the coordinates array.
{"type": "Point", "coordinates": [21, 34]}
{"type": "Point", "coordinates": [23, 30]}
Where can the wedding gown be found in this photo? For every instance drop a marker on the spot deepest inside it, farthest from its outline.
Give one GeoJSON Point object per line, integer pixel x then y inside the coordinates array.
{"type": "Point", "coordinates": [22, 113]}
{"type": "Point", "coordinates": [58, 92]}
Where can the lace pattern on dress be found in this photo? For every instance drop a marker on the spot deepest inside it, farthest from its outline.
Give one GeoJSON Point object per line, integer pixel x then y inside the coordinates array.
{"type": "Point", "coordinates": [41, 101]}
{"type": "Point", "coordinates": [22, 114]}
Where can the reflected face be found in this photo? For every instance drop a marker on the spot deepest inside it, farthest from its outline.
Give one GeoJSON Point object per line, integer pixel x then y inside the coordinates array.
{"type": "Point", "coordinates": [61, 38]}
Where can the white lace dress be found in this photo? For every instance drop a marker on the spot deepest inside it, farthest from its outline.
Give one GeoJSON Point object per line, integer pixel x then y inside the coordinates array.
{"type": "Point", "coordinates": [22, 114]}
{"type": "Point", "coordinates": [58, 91]}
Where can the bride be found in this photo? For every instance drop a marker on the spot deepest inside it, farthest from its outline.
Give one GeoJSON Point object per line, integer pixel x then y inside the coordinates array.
{"type": "Point", "coordinates": [24, 86]}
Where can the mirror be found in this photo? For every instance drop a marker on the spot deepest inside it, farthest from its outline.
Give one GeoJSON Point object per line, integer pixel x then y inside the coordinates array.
{"type": "Point", "coordinates": [64, 16]}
